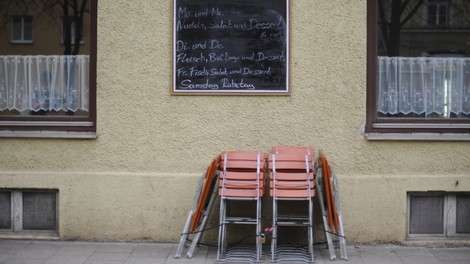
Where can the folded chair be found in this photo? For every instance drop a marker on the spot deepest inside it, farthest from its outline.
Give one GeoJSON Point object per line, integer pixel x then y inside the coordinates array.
{"type": "Point", "coordinates": [241, 178]}
{"type": "Point", "coordinates": [292, 179]}
{"type": "Point", "coordinates": [328, 193]}
{"type": "Point", "coordinates": [204, 199]}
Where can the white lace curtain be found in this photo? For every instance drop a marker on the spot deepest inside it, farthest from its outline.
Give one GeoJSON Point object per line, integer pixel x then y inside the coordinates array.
{"type": "Point", "coordinates": [423, 85]}
{"type": "Point", "coordinates": [44, 83]}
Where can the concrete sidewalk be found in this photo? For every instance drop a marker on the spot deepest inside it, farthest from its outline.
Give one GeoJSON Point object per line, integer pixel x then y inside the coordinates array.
{"type": "Point", "coordinates": [65, 252]}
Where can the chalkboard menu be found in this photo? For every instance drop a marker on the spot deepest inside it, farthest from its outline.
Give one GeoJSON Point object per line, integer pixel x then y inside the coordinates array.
{"type": "Point", "coordinates": [231, 47]}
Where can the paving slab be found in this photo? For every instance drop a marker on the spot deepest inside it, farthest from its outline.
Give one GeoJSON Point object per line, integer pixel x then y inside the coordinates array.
{"type": "Point", "coordinates": [451, 254]}
{"type": "Point", "coordinates": [72, 252]}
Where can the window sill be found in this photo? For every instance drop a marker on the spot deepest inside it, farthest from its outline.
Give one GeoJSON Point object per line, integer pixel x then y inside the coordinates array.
{"type": "Point", "coordinates": [39, 235]}
{"type": "Point", "coordinates": [418, 136]}
{"type": "Point", "coordinates": [48, 134]}
{"type": "Point", "coordinates": [21, 42]}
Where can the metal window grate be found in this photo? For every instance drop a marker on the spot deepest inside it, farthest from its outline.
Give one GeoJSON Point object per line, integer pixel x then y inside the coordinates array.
{"type": "Point", "coordinates": [426, 214]}
{"type": "Point", "coordinates": [5, 210]}
{"type": "Point", "coordinates": [39, 211]}
{"type": "Point", "coordinates": [463, 214]}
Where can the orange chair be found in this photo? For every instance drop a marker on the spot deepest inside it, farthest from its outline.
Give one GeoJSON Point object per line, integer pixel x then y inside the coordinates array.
{"type": "Point", "coordinates": [242, 178]}
{"type": "Point", "coordinates": [204, 199]}
{"type": "Point", "coordinates": [293, 179]}
{"type": "Point", "coordinates": [328, 194]}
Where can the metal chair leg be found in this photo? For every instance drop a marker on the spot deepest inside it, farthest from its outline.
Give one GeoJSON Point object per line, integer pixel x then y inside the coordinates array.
{"type": "Point", "coordinates": [185, 232]}
{"type": "Point", "coordinates": [274, 232]}
{"type": "Point", "coordinates": [184, 235]}
{"type": "Point", "coordinates": [221, 229]}
{"type": "Point", "coordinates": [310, 231]}
{"type": "Point", "coordinates": [202, 226]}
{"type": "Point", "coordinates": [342, 238]}
{"type": "Point", "coordinates": [329, 240]}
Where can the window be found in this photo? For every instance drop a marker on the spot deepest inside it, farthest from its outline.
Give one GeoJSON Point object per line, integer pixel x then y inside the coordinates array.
{"type": "Point", "coordinates": [48, 88]}
{"type": "Point", "coordinates": [436, 214]}
{"type": "Point", "coordinates": [28, 212]}
{"type": "Point", "coordinates": [72, 27]}
{"type": "Point", "coordinates": [418, 77]}
{"type": "Point", "coordinates": [438, 12]}
{"type": "Point", "coordinates": [22, 29]}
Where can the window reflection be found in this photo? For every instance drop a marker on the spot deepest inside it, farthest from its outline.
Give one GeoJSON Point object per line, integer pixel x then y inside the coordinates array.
{"type": "Point", "coordinates": [423, 64]}
{"type": "Point", "coordinates": [43, 70]}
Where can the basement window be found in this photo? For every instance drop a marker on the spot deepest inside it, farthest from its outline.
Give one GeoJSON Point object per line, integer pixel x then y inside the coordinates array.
{"type": "Point", "coordinates": [28, 212]}
{"type": "Point", "coordinates": [438, 215]}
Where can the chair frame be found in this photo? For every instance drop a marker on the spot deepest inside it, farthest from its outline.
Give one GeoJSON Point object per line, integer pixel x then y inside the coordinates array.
{"type": "Point", "coordinates": [328, 194]}
{"type": "Point", "coordinates": [307, 187]}
{"type": "Point", "coordinates": [203, 202]}
{"type": "Point", "coordinates": [240, 189]}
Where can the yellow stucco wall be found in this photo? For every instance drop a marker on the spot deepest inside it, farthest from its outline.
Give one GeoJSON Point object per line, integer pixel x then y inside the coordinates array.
{"type": "Point", "coordinates": [137, 179]}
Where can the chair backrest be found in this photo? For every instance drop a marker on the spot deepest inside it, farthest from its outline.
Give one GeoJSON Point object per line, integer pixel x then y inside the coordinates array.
{"type": "Point", "coordinates": [242, 173]}
{"type": "Point", "coordinates": [291, 161]}
{"type": "Point", "coordinates": [292, 149]}
{"type": "Point", "coordinates": [292, 175]}
{"type": "Point", "coordinates": [242, 160]}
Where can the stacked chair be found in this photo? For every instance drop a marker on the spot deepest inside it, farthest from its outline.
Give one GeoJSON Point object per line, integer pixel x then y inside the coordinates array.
{"type": "Point", "coordinates": [238, 178]}
{"type": "Point", "coordinates": [292, 179]}
{"type": "Point", "coordinates": [242, 178]}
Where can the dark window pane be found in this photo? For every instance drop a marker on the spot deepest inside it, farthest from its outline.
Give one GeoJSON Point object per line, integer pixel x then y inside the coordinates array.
{"type": "Point", "coordinates": [17, 32]}
{"type": "Point", "coordinates": [28, 28]}
{"type": "Point", "coordinates": [463, 214]}
{"type": "Point", "coordinates": [39, 211]}
{"type": "Point", "coordinates": [5, 210]}
{"type": "Point", "coordinates": [426, 214]}
{"type": "Point", "coordinates": [442, 15]}
{"type": "Point", "coordinates": [432, 14]}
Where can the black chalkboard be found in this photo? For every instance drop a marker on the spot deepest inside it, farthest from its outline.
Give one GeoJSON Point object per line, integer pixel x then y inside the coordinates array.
{"type": "Point", "coordinates": [231, 47]}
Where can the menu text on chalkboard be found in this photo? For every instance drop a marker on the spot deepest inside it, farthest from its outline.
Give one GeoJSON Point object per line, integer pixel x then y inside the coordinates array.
{"type": "Point", "coordinates": [231, 47]}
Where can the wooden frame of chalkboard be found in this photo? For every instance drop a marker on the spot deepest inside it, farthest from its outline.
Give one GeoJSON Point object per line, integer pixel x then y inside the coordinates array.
{"type": "Point", "coordinates": [234, 47]}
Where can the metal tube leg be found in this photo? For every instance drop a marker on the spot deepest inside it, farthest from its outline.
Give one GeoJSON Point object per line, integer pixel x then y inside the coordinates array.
{"type": "Point", "coordinates": [342, 239]}
{"type": "Point", "coordinates": [184, 235]}
{"type": "Point", "coordinates": [258, 229]}
{"type": "Point", "coordinates": [221, 224]}
{"type": "Point", "coordinates": [329, 240]}
{"type": "Point", "coordinates": [274, 237]}
{"type": "Point", "coordinates": [199, 231]}
{"type": "Point", "coordinates": [225, 227]}
{"type": "Point", "coordinates": [310, 230]}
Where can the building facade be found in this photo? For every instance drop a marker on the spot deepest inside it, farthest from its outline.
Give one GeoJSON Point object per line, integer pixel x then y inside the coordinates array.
{"type": "Point", "coordinates": [127, 166]}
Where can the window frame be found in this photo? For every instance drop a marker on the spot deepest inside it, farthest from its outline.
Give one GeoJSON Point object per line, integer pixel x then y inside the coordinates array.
{"type": "Point", "coordinates": [22, 40]}
{"type": "Point", "coordinates": [449, 215]}
{"type": "Point", "coordinates": [396, 128]}
{"type": "Point", "coordinates": [437, 5]}
{"type": "Point", "coordinates": [17, 213]}
{"type": "Point", "coordinates": [63, 126]}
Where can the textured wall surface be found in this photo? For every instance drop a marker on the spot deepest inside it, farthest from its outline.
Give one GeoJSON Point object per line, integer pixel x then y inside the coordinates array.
{"type": "Point", "coordinates": [137, 179]}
